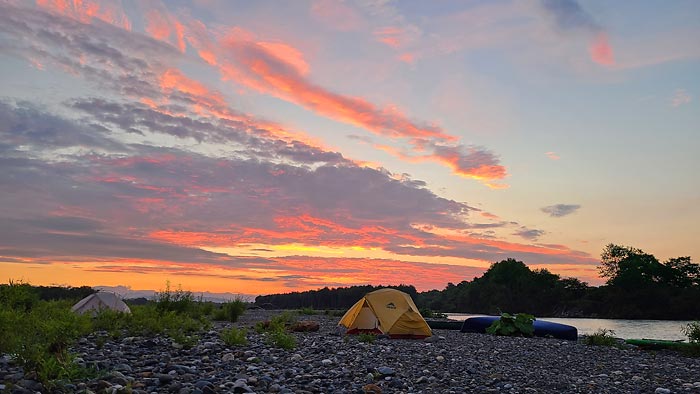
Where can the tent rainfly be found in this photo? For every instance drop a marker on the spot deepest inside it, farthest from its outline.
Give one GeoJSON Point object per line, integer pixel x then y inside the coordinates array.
{"type": "Point", "coordinates": [99, 301]}
{"type": "Point", "coordinates": [386, 311]}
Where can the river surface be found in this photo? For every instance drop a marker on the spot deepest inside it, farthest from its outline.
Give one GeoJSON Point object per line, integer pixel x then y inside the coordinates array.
{"type": "Point", "coordinates": [627, 329]}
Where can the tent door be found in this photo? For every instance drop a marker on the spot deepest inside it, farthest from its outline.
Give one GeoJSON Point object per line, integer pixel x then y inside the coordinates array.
{"type": "Point", "coordinates": [366, 320]}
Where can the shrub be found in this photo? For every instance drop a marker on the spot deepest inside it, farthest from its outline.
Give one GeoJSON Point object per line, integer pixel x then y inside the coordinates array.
{"type": "Point", "coordinates": [109, 320]}
{"type": "Point", "coordinates": [602, 337]}
{"type": "Point", "coordinates": [230, 311]}
{"type": "Point", "coordinates": [283, 319]}
{"type": "Point", "coordinates": [179, 337]}
{"type": "Point", "coordinates": [179, 301]}
{"type": "Point", "coordinates": [281, 339]}
{"type": "Point", "coordinates": [513, 325]}
{"type": "Point", "coordinates": [365, 337]}
{"type": "Point", "coordinates": [234, 337]}
{"type": "Point", "coordinates": [38, 339]}
{"type": "Point", "coordinates": [18, 296]}
{"type": "Point", "coordinates": [692, 331]}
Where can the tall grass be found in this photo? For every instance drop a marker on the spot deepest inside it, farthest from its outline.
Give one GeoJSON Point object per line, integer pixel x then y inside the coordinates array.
{"type": "Point", "coordinates": [37, 334]}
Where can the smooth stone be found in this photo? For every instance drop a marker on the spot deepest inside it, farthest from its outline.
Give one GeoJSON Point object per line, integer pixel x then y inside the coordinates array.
{"type": "Point", "coordinates": [164, 378]}
{"type": "Point", "coordinates": [662, 390]}
{"type": "Point", "coordinates": [386, 371]}
{"type": "Point", "coordinates": [228, 357]}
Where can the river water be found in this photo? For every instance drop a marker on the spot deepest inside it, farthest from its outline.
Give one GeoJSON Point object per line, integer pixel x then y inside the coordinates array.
{"type": "Point", "coordinates": [627, 329]}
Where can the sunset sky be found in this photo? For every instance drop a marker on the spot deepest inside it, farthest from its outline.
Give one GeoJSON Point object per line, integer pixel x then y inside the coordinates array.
{"type": "Point", "coordinates": [257, 147]}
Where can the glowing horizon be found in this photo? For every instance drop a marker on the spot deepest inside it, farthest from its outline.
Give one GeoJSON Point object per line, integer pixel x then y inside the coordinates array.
{"type": "Point", "coordinates": [356, 143]}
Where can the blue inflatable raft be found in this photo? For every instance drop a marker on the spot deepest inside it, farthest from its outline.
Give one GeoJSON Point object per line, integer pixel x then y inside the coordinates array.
{"type": "Point", "coordinates": [542, 328]}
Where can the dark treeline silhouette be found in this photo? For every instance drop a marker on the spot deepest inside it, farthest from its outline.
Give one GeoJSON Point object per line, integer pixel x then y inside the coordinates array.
{"type": "Point", "coordinates": [48, 293]}
{"type": "Point", "coordinates": [335, 298]}
{"type": "Point", "coordinates": [638, 286]}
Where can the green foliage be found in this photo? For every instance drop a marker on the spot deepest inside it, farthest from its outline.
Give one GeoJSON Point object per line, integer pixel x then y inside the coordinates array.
{"type": "Point", "coordinates": [275, 330]}
{"type": "Point", "coordinates": [281, 339]}
{"type": "Point", "coordinates": [307, 311]}
{"type": "Point", "coordinates": [62, 367]}
{"type": "Point", "coordinates": [513, 325]}
{"type": "Point", "coordinates": [234, 336]}
{"type": "Point", "coordinates": [179, 337]}
{"type": "Point", "coordinates": [283, 319]}
{"type": "Point", "coordinates": [602, 337]}
{"type": "Point", "coordinates": [692, 331]}
{"type": "Point", "coordinates": [38, 338]}
{"type": "Point", "coordinates": [230, 311]}
{"type": "Point", "coordinates": [366, 337]}
{"type": "Point", "coordinates": [179, 300]}
{"type": "Point", "coordinates": [18, 296]}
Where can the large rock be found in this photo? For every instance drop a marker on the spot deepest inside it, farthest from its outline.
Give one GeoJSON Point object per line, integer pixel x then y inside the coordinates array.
{"type": "Point", "coordinates": [305, 326]}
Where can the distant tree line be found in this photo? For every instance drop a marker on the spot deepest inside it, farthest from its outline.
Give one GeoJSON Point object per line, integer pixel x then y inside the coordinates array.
{"type": "Point", "coordinates": [46, 293]}
{"type": "Point", "coordinates": [335, 298]}
{"type": "Point", "coordinates": [638, 286]}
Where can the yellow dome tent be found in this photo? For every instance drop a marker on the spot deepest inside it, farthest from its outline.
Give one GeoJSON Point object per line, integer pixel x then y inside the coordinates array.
{"type": "Point", "coordinates": [386, 311]}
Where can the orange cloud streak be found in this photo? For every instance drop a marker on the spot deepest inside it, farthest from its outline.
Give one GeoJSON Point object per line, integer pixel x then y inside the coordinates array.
{"type": "Point", "coordinates": [87, 10]}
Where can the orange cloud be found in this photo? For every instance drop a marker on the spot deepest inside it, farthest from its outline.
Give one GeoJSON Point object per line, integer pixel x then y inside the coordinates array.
{"type": "Point", "coordinates": [161, 25]}
{"type": "Point", "coordinates": [600, 50]}
{"type": "Point", "coordinates": [287, 54]}
{"type": "Point", "coordinates": [109, 11]}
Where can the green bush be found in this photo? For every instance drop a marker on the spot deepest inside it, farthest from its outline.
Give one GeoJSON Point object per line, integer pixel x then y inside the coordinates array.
{"type": "Point", "coordinates": [513, 325]}
{"type": "Point", "coordinates": [109, 320]}
{"type": "Point", "coordinates": [602, 337]}
{"type": "Point", "coordinates": [285, 318]}
{"type": "Point", "coordinates": [365, 337]}
{"type": "Point", "coordinates": [181, 338]}
{"type": "Point", "coordinates": [18, 296]}
{"type": "Point", "coordinates": [179, 300]}
{"type": "Point", "coordinates": [281, 339]}
{"type": "Point", "coordinates": [234, 337]}
{"type": "Point", "coordinates": [38, 339]}
{"type": "Point", "coordinates": [692, 331]}
{"type": "Point", "coordinates": [230, 311]}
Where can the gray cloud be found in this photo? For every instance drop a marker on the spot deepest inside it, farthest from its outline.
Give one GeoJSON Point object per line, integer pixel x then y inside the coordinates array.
{"type": "Point", "coordinates": [559, 210]}
{"type": "Point", "coordinates": [529, 234]}
{"type": "Point", "coordinates": [24, 124]}
{"type": "Point", "coordinates": [568, 14]}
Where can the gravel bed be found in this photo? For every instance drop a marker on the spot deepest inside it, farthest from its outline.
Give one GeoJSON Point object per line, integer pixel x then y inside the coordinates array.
{"type": "Point", "coordinates": [324, 362]}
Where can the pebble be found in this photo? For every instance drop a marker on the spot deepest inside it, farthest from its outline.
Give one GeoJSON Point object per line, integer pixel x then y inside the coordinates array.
{"type": "Point", "coordinates": [323, 362]}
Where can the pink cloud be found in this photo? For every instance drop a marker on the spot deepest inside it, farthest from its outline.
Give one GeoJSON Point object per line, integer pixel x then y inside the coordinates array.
{"type": "Point", "coordinates": [391, 36]}
{"type": "Point", "coordinates": [552, 155]}
{"type": "Point", "coordinates": [601, 52]}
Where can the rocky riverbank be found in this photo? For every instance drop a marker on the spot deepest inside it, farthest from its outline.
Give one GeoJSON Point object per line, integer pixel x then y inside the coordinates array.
{"type": "Point", "coordinates": [323, 362]}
